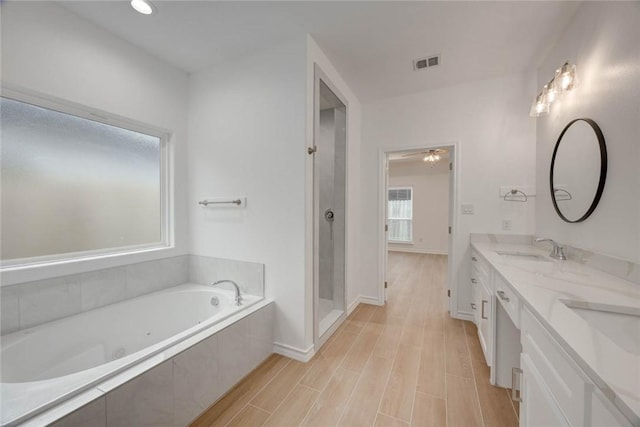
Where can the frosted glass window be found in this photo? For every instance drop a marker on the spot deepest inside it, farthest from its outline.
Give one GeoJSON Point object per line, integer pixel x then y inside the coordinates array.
{"type": "Point", "coordinates": [400, 212]}
{"type": "Point", "coordinates": [72, 185]}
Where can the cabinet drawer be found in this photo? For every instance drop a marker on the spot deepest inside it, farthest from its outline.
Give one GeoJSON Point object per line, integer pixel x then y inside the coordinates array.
{"type": "Point", "coordinates": [562, 377]}
{"type": "Point", "coordinates": [508, 299]}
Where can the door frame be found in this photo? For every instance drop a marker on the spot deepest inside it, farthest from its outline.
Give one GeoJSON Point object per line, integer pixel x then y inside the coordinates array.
{"type": "Point", "coordinates": [319, 340]}
{"type": "Point", "coordinates": [452, 259]}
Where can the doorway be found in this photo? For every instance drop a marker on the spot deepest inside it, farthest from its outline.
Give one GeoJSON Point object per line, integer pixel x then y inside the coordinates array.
{"type": "Point", "coordinates": [329, 165]}
{"type": "Point", "coordinates": [417, 209]}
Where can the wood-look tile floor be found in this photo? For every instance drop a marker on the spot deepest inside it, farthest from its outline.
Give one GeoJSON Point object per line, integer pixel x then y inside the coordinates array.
{"type": "Point", "coordinates": [404, 364]}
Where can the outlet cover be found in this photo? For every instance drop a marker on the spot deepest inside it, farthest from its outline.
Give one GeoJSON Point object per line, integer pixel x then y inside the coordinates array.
{"type": "Point", "coordinates": [467, 209]}
{"type": "Point", "coordinates": [506, 224]}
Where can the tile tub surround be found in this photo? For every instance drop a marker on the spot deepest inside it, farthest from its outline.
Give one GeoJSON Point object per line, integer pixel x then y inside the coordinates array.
{"type": "Point", "coordinates": [248, 275]}
{"type": "Point", "coordinates": [541, 286]}
{"type": "Point", "coordinates": [32, 303]}
{"type": "Point", "coordinates": [623, 269]}
{"type": "Point", "coordinates": [178, 386]}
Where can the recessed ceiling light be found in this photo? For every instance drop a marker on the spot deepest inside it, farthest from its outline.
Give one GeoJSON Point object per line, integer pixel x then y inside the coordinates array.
{"type": "Point", "coordinates": [143, 6]}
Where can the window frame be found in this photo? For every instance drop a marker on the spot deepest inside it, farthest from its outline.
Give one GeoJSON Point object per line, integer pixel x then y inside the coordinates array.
{"type": "Point", "coordinates": [166, 191]}
{"type": "Point", "coordinates": [401, 187]}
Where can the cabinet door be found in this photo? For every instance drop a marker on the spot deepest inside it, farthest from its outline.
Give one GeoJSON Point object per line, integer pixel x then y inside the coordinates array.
{"type": "Point", "coordinates": [603, 413]}
{"type": "Point", "coordinates": [485, 326]}
{"type": "Point", "coordinates": [537, 409]}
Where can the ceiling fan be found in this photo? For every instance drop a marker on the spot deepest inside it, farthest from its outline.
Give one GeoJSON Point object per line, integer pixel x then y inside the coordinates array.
{"type": "Point", "coordinates": [430, 156]}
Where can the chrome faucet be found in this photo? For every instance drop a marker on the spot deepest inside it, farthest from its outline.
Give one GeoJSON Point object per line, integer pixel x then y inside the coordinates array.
{"type": "Point", "coordinates": [557, 252]}
{"type": "Point", "coordinates": [235, 285]}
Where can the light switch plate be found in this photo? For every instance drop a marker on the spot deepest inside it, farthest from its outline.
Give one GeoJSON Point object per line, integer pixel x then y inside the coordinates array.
{"type": "Point", "coordinates": [467, 209]}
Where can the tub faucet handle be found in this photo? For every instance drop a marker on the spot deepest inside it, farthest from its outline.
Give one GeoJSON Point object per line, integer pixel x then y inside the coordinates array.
{"type": "Point", "coordinates": [238, 297]}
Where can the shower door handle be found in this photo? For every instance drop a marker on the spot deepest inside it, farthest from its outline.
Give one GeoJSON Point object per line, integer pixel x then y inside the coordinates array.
{"type": "Point", "coordinates": [329, 216]}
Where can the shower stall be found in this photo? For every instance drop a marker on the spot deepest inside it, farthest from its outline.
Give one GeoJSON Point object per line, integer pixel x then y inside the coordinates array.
{"type": "Point", "coordinates": [330, 155]}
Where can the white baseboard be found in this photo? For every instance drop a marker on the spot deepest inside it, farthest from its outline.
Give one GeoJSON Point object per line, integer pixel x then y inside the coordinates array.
{"type": "Point", "coordinates": [294, 352]}
{"type": "Point", "coordinates": [419, 251]}
{"type": "Point", "coordinates": [370, 300]}
{"type": "Point", "coordinates": [463, 316]}
{"type": "Point", "coordinates": [364, 300]}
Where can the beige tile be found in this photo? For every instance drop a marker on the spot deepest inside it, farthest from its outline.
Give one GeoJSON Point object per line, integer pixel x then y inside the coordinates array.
{"type": "Point", "coordinates": [272, 395]}
{"type": "Point", "coordinates": [496, 406]}
{"type": "Point", "coordinates": [250, 416]}
{"type": "Point", "coordinates": [362, 348]}
{"type": "Point", "coordinates": [364, 313]}
{"type": "Point", "coordinates": [388, 342]}
{"type": "Point", "coordinates": [429, 411]}
{"type": "Point", "coordinates": [365, 399]}
{"type": "Point", "coordinates": [411, 335]}
{"type": "Point", "coordinates": [386, 421]}
{"type": "Point", "coordinates": [332, 401]}
{"type": "Point", "coordinates": [320, 372]}
{"type": "Point", "coordinates": [462, 402]}
{"type": "Point", "coordinates": [340, 346]}
{"type": "Point", "coordinates": [328, 361]}
{"type": "Point", "coordinates": [398, 396]}
{"type": "Point", "coordinates": [234, 401]}
{"type": "Point", "coordinates": [475, 350]}
{"type": "Point", "coordinates": [457, 359]}
{"type": "Point", "coordinates": [294, 408]}
{"type": "Point", "coordinates": [353, 326]}
{"type": "Point", "coordinates": [431, 376]}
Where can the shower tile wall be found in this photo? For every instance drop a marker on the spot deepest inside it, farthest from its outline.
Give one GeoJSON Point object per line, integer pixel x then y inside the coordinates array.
{"type": "Point", "coordinates": [32, 303]}
{"type": "Point", "coordinates": [325, 160]}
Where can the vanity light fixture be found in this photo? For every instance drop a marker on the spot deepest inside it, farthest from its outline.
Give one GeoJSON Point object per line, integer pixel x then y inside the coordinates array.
{"type": "Point", "coordinates": [143, 6]}
{"type": "Point", "coordinates": [564, 80]}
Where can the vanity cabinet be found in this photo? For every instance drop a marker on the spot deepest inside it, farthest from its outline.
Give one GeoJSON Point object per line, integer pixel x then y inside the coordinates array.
{"type": "Point", "coordinates": [551, 386]}
{"type": "Point", "coordinates": [554, 389]}
{"type": "Point", "coordinates": [537, 408]}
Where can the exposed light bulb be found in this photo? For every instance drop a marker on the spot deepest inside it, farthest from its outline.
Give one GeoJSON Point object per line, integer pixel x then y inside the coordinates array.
{"type": "Point", "coordinates": [143, 6]}
{"type": "Point", "coordinates": [549, 91]}
{"type": "Point", "coordinates": [540, 106]}
{"type": "Point", "coordinates": [565, 78]}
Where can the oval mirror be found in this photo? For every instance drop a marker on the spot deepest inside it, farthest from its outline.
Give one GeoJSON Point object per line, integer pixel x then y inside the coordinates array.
{"type": "Point", "coordinates": [578, 170]}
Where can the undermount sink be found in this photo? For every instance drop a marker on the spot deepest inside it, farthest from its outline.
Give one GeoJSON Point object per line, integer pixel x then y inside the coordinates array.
{"type": "Point", "coordinates": [619, 323]}
{"type": "Point", "coordinates": [523, 256]}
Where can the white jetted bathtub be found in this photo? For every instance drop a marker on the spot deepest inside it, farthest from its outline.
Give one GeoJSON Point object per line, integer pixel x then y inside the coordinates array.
{"type": "Point", "coordinates": [46, 365]}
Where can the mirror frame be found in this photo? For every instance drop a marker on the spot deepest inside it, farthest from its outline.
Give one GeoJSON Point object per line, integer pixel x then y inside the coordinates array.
{"type": "Point", "coordinates": [603, 169]}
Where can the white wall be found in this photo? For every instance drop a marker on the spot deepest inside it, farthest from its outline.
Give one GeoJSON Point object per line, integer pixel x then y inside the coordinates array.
{"type": "Point", "coordinates": [430, 204]}
{"type": "Point", "coordinates": [602, 40]}
{"type": "Point", "coordinates": [51, 52]}
{"type": "Point", "coordinates": [489, 120]}
{"type": "Point", "coordinates": [250, 122]}
{"type": "Point", "coordinates": [247, 138]}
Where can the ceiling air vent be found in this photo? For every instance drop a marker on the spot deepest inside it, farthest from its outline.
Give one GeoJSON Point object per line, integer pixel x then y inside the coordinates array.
{"type": "Point", "coordinates": [428, 62]}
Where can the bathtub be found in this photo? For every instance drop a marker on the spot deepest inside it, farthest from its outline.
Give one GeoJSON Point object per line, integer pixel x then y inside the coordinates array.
{"type": "Point", "coordinates": [45, 366]}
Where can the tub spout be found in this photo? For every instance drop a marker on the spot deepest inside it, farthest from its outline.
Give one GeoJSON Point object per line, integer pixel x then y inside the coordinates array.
{"type": "Point", "coordinates": [235, 285]}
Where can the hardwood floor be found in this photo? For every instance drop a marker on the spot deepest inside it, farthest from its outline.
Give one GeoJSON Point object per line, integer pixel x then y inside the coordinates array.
{"type": "Point", "coordinates": [404, 364]}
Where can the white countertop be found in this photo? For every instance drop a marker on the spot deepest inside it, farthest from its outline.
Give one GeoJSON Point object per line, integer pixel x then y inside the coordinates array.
{"type": "Point", "coordinates": [542, 286]}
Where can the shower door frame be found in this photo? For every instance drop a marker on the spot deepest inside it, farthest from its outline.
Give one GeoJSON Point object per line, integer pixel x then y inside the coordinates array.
{"type": "Point", "coordinates": [319, 340]}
